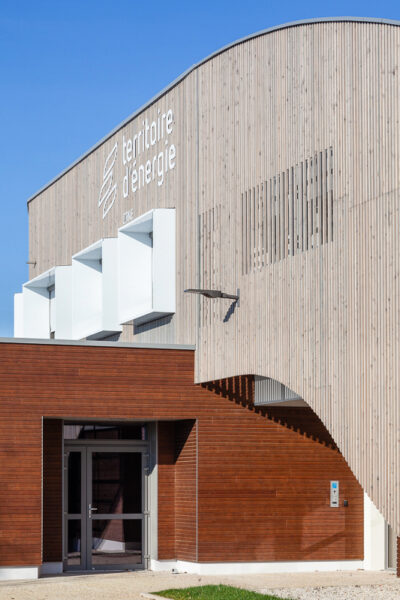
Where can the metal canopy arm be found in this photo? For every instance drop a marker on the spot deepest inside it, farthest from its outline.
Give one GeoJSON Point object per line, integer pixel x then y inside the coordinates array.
{"type": "Point", "coordinates": [212, 293]}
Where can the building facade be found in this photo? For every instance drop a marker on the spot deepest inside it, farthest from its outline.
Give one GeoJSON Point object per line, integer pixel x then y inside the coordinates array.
{"type": "Point", "coordinates": [267, 172]}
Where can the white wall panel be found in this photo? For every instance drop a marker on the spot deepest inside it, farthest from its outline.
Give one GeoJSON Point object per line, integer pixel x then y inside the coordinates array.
{"type": "Point", "coordinates": [87, 294]}
{"type": "Point", "coordinates": [375, 540]}
{"type": "Point", "coordinates": [45, 305]}
{"type": "Point", "coordinates": [110, 285]}
{"type": "Point", "coordinates": [63, 303]}
{"type": "Point", "coordinates": [36, 300]}
{"type": "Point", "coordinates": [19, 315]}
{"type": "Point", "coordinates": [164, 261]}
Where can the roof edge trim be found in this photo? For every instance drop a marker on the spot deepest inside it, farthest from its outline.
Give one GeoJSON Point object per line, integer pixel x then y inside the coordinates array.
{"type": "Point", "coordinates": [95, 344]}
{"type": "Point", "coordinates": [183, 76]}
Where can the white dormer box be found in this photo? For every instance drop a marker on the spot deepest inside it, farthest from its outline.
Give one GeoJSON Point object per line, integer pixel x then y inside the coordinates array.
{"type": "Point", "coordinates": [114, 281]}
{"type": "Point", "coordinates": [43, 309]}
{"type": "Point", "coordinates": [95, 291]}
{"type": "Point", "coordinates": [147, 267]}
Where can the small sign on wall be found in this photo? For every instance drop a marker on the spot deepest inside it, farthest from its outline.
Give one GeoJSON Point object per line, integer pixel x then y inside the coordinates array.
{"type": "Point", "coordinates": [334, 494]}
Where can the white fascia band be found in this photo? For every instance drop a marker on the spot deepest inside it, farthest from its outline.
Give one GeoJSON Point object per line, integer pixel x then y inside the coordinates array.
{"type": "Point", "coordinates": [9, 573]}
{"type": "Point", "coordinates": [244, 568]}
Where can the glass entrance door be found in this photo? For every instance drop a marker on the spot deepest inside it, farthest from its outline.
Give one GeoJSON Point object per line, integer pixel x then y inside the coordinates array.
{"type": "Point", "coordinates": [105, 507]}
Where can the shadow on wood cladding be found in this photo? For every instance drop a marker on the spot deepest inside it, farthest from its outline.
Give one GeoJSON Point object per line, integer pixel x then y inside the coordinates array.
{"type": "Point", "coordinates": [302, 420]}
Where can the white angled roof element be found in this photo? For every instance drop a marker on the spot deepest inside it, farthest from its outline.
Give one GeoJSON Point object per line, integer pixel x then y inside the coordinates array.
{"type": "Point", "coordinates": [95, 290]}
{"type": "Point", "coordinates": [147, 267]}
{"type": "Point", "coordinates": [43, 309]}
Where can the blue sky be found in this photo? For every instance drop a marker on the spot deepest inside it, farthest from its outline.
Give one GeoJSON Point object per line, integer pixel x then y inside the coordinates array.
{"type": "Point", "coordinates": [71, 71]}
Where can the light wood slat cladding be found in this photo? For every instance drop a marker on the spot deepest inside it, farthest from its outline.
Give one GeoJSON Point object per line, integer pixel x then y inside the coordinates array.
{"type": "Point", "coordinates": [235, 483]}
{"type": "Point", "coordinates": [52, 490]}
{"type": "Point", "coordinates": [325, 322]}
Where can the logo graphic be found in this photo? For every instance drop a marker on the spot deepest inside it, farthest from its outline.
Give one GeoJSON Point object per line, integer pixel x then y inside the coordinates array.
{"type": "Point", "coordinates": [108, 190]}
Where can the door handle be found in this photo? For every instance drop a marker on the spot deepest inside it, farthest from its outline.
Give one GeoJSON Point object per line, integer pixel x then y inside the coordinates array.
{"type": "Point", "coordinates": [90, 510]}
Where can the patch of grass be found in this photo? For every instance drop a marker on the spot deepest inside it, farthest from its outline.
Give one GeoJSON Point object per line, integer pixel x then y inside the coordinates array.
{"type": "Point", "coordinates": [214, 592]}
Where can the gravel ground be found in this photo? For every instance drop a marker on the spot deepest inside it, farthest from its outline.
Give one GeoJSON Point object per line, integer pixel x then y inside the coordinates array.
{"type": "Point", "coordinates": [348, 592]}
{"type": "Point", "coordinates": [129, 586]}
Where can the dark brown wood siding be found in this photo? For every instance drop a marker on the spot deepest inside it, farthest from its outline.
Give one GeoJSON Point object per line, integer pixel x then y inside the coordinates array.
{"type": "Point", "coordinates": [264, 483]}
{"type": "Point", "coordinates": [261, 480]}
{"type": "Point", "coordinates": [398, 557]}
{"type": "Point", "coordinates": [186, 490]}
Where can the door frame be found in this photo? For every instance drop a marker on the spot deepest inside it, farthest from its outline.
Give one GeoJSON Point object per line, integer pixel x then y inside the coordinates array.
{"type": "Point", "coordinates": [87, 447]}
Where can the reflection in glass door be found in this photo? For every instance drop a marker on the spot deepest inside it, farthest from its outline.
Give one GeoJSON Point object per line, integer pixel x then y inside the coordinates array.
{"type": "Point", "coordinates": [115, 504]}
{"type": "Point", "coordinates": [105, 508]}
{"type": "Point", "coordinates": [75, 501]}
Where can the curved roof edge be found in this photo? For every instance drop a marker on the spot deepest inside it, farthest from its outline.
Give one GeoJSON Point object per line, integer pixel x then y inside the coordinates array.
{"type": "Point", "coordinates": [198, 64]}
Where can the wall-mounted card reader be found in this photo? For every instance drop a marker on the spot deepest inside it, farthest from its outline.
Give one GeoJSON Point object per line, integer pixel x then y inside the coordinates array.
{"type": "Point", "coordinates": [334, 494]}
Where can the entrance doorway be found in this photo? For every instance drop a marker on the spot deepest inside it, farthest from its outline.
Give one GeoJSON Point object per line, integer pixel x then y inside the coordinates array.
{"type": "Point", "coordinates": [105, 504]}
